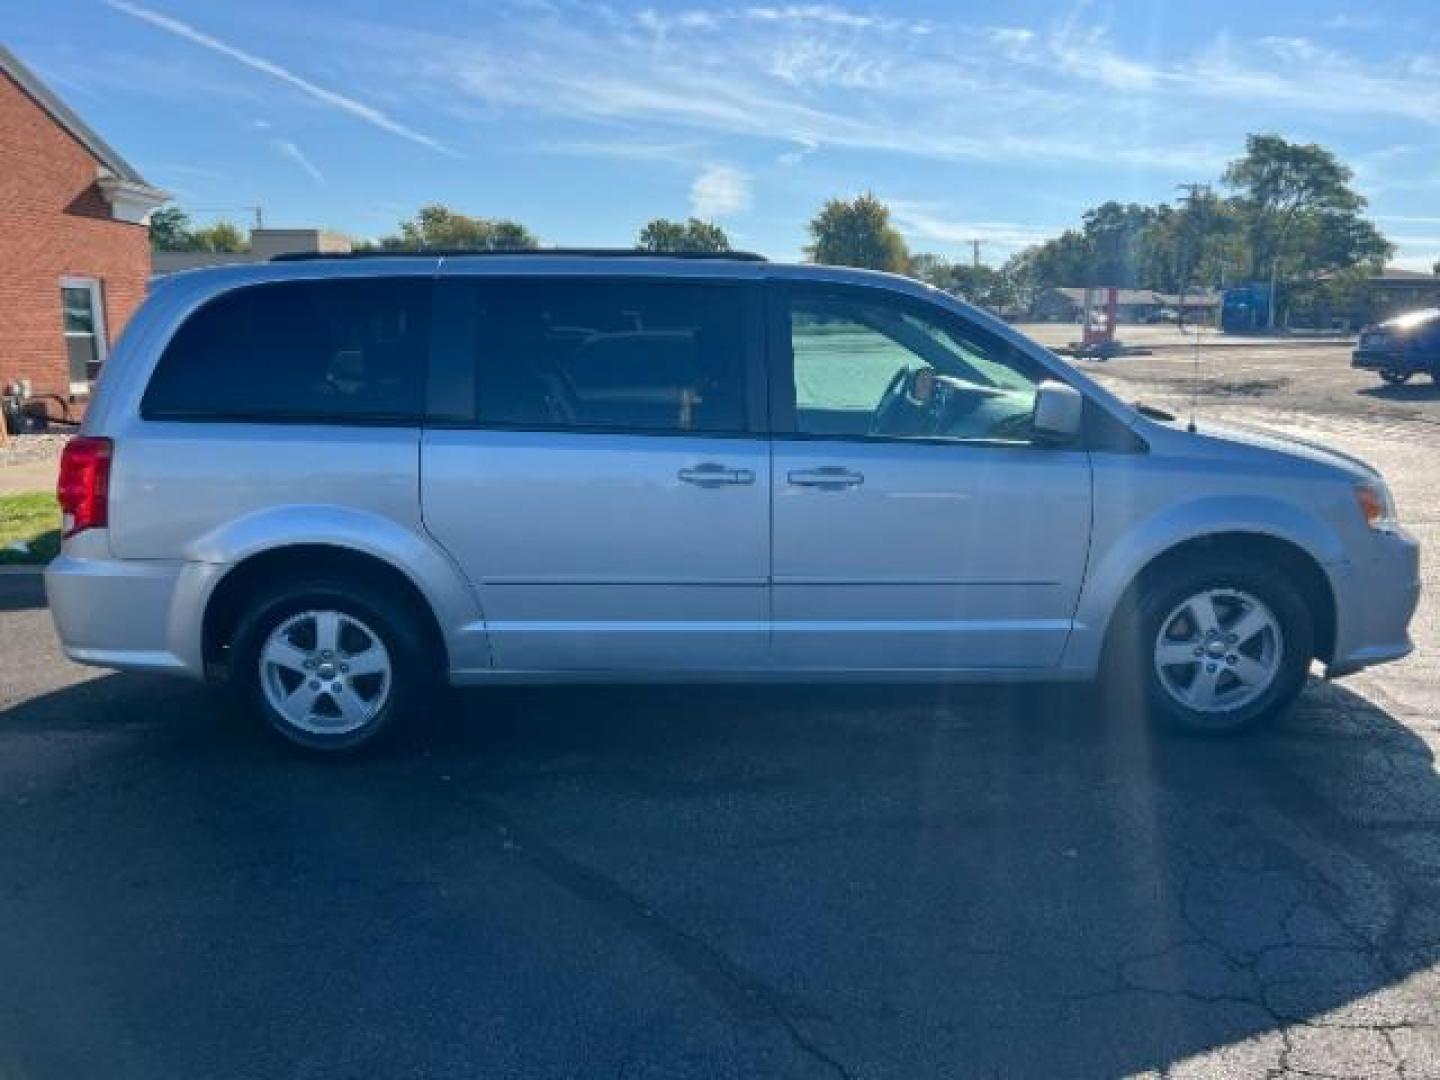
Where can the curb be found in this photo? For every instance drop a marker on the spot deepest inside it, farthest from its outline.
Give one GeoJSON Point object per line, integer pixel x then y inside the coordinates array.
{"type": "Point", "coordinates": [22, 569]}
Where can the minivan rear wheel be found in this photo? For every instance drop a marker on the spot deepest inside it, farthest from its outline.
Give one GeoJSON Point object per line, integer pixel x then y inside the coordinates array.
{"type": "Point", "coordinates": [1216, 648]}
{"type": "Point", "coordinates": [329, 666]}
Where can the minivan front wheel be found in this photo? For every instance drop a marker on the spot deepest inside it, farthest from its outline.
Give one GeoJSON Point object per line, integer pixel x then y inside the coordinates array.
{"type": "Point", "coordinates": [1218, 651]}
{"type": "Point", "coordinates": [327, 666]}
{"type": "Point", "coordinates": [1217, 648]}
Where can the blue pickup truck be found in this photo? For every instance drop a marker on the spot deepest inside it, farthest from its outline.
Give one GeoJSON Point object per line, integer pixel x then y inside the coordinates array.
{"type": "Point", "coordinates": [1402, 347]}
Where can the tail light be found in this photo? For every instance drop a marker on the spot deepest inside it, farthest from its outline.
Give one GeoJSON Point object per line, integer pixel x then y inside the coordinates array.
{"type": "Point", "coordinates": [84, 486]}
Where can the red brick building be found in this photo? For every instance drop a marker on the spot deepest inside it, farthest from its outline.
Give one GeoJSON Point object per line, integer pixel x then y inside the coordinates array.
{"type": "Point", "coordinates": [74, 250]}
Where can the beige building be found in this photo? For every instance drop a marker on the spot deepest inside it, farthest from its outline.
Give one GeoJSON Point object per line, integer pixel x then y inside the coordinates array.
{"type": "Point", "coordinates": [265, 244]}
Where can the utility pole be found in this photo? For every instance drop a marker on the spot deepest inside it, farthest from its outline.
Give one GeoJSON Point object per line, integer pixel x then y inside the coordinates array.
{"type": "Point", "coordinates": [975, 251]}
{"type": "Point", "coordinates": [1274, 281]}
{"type": "Point", "coordinates": [1193, 192]}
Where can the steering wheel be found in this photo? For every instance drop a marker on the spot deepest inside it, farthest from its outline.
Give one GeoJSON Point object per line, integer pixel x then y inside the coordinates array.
{"type": "Point", "coordinates": [878, 422]}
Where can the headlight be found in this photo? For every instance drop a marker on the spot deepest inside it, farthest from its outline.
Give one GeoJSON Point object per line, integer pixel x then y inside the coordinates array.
{"type": "Point", "coordinates": [1376, 504]}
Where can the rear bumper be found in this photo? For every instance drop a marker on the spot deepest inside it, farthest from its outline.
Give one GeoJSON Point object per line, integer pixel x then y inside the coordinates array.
{"type": "Point", "coordinates": [135, 615]}
{"type": "Point", "coordinates": [1375, 599]}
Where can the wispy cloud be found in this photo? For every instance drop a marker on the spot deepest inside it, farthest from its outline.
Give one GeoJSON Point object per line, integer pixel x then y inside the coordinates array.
{"type": "Point", "coordinates": [370, 115]}
{"type": "Point", "coordinates": [1355, 21]}
{"type": "Point", "coordinates": [790, 77]}
{"type": "Point", "coordinates": [803, 149]}
{"type": "Point", "coordinates": [677, 152]}
{"type": "Point", "coordinates": [1407, 219]}
{"type": "Point", "coordinates": [719, 191]}
{"type": "Point", "coordinates": [288, 150]}
{"type": "Point", "coordinates": [924, 221]}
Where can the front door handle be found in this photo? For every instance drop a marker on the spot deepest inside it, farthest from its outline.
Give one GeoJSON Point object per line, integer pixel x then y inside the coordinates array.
{"type": "Point", "coordinates": [827, 478]}
{"type": "Point", "coordinates": [711, 475]}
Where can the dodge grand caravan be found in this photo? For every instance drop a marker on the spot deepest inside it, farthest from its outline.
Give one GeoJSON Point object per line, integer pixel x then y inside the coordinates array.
{"type": "Point", "coordinates": [332, 482]}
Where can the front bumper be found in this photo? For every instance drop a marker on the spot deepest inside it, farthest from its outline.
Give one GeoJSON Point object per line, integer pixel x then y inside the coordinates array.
{"type": "Point", "coordinates": [1375, 598]}
{"type": "Point", "coordinates": [1391, 360]}
{"type": "Point", "coordinates": [131, 614]}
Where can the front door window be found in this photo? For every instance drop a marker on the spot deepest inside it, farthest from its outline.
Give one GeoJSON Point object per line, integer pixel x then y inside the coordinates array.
{"type": "Point", "coordinates": [879, 368]}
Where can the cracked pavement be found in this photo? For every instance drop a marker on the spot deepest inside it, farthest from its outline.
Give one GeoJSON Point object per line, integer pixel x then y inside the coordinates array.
{"type": "Point", "coordinates": [713, 882]}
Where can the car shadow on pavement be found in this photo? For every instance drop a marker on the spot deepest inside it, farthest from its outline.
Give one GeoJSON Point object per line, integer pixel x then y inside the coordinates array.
{"type": "Point", "coordinates": [875, 880]}
{"type": "Point", "coordinates": [23, 591]}
{"type": "Point", "coordinates": [1409, 392]}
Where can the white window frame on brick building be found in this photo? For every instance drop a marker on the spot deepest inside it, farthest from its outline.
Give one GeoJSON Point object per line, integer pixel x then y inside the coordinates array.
{"type": "Point", "coordinates": [96, 335]}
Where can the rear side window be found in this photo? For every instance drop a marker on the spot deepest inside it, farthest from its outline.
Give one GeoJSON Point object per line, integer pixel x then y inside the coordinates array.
{"type": "Point", "coordinates": [655, 357]}
{"type": "Point", "coordinates": [340, 351]}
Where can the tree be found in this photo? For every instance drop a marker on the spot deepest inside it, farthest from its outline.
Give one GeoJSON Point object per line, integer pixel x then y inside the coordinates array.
{"type": "Point", "coordinates": [221, 236]}
{"type": "Point", "coordinates": [1300, 214]}
{"type": "Point", "coordinates": [857, 233]}
{"type": "Point", "coordinates": [1021, 282]}
{"type": "Point", "coordinates": [170, 230]}
{"type": "Point", "coordinates": [1063, 261]}
{"type": "Point", "coordinates": [931, 268]}
{"type": "Point", "coordinates": [1112, 233]}
{"type": "Point", "coordinates": [981, 285]}
{"type": "Point", "coordinates": [437, 226]}
{"type": "Point", "coordinates": [1202, 243]}
{"type": "Point", "coordinates": [663, 234]}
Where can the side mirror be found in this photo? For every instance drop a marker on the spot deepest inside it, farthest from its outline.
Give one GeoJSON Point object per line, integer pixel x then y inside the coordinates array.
{"type": "Point", "coordinates": [1058, 412]}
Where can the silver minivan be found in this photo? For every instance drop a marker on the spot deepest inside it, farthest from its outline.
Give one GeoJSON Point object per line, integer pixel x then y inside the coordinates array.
{"type": "Point", "coordinates": [334, 482]}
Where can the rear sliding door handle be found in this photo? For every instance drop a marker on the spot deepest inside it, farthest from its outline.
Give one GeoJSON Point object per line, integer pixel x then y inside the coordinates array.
{"type": "Point", "coordinates": [827, 478]}
{"type": "Point", "coordinates": [713, 475]}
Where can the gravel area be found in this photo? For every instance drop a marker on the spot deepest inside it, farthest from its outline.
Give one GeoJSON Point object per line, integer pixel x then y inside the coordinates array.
{"type": "Point", "coordinates": [24, 449]}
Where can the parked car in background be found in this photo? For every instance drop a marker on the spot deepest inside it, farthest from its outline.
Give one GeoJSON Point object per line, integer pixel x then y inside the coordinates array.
{"type": "Point", "coordinates": [336, 481]}
{"type": "Point", "coordinates": [1401, 348]}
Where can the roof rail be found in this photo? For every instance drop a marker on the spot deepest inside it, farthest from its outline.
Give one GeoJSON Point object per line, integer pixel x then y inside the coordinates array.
{"type": "Point", "coordinates": [603, 253]}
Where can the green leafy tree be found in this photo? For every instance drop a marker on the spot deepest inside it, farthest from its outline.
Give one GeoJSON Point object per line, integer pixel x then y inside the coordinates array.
{"type": "Point", "coordinates": [1063, 261]}
{"type": "Point", "coordinates": [170, 229]}
{"type": "Point", "coordinates": [1300, 214]}
{"type": "Point", "coordinates": [857, 232]}
{"type": "Point", "coordinates": [439, 227]}
{"type": "Point", "coordinates": [664, 234]}
{"type": "Point", "coordinates": [1201, 243]}
{"type": "Point", "coordinates": [1112, 234]}
{"type": "Point", "coordinates": [1021, 281]}
{"type": "Point", "coordinates": [221, 236]}
{"type": "Point", "coordinates": [932, 269]}
{"type": "Point", "coordinates": [982, 285]}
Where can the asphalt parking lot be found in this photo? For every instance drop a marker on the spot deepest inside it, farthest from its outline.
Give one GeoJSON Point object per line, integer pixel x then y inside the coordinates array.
{"type": "Point", "coordinates": [705, 882]}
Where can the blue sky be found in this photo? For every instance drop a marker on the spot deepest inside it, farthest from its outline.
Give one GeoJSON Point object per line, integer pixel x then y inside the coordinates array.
{"type": "Point", "coordinates": [996, 120]}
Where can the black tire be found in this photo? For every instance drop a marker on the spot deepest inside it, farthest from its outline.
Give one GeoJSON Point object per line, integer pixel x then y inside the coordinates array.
{"type": "Point", "coordinates": [411, 674]}
{"type": "Point", "coordinates": [1395, 378]}
{"type": "Point", "coordinates": [1133, 675]}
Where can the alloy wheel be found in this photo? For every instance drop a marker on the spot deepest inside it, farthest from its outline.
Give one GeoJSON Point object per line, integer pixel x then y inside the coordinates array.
{"type": "Point", "coordinates": [325, 672]}
{"type": "Point", "coordinates": [1218, 651]}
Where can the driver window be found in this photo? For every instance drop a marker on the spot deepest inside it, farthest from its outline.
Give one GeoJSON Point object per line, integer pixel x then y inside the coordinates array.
{"type": "Point", "coordinates": [884, 369]}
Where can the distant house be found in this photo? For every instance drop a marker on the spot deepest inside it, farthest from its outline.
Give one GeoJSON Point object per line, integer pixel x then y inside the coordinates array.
{"type": "Point", "coordinates": [1393, 291]}
{"type": "Point", "coordinates": [74, 249]}
{"type": "Point", "coordinates": [1131, 305]}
